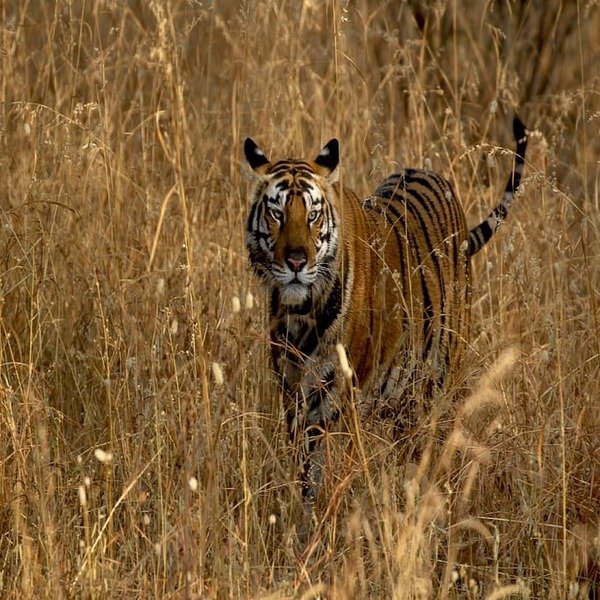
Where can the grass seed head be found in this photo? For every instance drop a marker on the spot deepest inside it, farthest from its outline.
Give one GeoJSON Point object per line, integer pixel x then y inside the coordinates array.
{"type": "Point", "coordinates": [218, 373]}
{"type": "Point", "coordinates": [102, 456]}
{"type": "Point", "coordinates": [249, 304]}
{"type": "Point", "coordinates": [343, 358]}
{"type": "Point", "coordinates": [82, 496]}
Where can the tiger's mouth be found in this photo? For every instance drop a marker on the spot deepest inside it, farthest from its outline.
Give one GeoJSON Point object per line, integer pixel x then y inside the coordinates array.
{"type": "Point", "coordinates": [295, 287]}
{"type": "Point", "coordinates": [295, 292]}
{"type": "Point", "coordinates": [285, 276]}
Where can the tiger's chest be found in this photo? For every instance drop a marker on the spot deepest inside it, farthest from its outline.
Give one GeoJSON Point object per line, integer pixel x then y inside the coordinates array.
{"type": "Point", "coordinates": [305, 358]}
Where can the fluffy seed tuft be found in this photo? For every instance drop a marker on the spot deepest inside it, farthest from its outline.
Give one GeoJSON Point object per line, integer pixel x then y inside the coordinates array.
{"type": "Point", "coordinates": [82, 495]}
{"type": "Point", "coordinates": [102, 456]}
{"type": "Point", "coordinates": [249, 305]}
{"type": "Point", "coordinates": [218, 373]}
{"type": "Point", "coordinates": [343, 358]}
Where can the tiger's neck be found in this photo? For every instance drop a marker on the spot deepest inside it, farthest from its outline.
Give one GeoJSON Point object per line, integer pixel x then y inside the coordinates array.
{"type": "Point", "coordinates": [278, 309]}
{"type": "Point", "coordinates": [302, 327]}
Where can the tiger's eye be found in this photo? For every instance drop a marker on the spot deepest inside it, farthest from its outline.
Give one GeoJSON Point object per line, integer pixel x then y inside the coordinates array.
{"type": "Point", "coordinates": [312, 215]}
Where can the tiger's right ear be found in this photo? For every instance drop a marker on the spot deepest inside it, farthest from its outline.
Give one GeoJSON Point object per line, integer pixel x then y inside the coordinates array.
{"type": "Point", "coordinates": [255, 156]}
{"type": "Point", "coordinates": [328, 160]}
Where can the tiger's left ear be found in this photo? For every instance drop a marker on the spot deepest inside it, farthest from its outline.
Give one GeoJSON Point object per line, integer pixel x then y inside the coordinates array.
{"type": "Point", "coordinates": [328, 159]}
{"type": "Point", "coordinates": [255, 156]}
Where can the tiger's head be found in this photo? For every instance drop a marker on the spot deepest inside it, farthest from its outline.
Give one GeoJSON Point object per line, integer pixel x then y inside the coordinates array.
{"type": "Point", "coordinates": [292, 229]}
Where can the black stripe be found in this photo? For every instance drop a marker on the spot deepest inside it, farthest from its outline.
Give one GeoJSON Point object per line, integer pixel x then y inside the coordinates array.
{"type": "Point", "coordinates": [250, 220]}
{"type": "Point", "coordinates": [275, 300]}
{"type": "Point", "coordinates": [424, 179]}
{"type": "Point", "coordinates": [427, 303]}
{"type": "Point", "coordinates": [485, 232]}
{"type": "Point", "coordinates": [442, 182]}
{"type": "Point", "coordinates": [393, 183]}
{"type": "Point", "coordinates": [385, 381]}
{"type": "Point", "coordinates": [304, 184]}
{"type": "Point", "coordinates": [332, 308]}
{"type": "Point", "coordinates": [309, 341]}
{"type": "Point", "coordinates": [259, 235]}
{"type": "Point", "coordinates": [457, 223]}
{"type": "Point", "coordinates": [429, 314]}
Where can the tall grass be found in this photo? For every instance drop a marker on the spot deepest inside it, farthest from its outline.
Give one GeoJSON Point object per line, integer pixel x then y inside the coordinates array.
{"type": "Point", "coordinates": [142, 449]}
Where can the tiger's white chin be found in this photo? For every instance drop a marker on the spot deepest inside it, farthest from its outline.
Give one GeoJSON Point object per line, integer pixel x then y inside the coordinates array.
{"type": "Point", "coordinates": [293, 293]}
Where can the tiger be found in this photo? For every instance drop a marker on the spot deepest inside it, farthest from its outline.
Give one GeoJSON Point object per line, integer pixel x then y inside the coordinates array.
{"type": "Point", "coordinates": [384, 282]}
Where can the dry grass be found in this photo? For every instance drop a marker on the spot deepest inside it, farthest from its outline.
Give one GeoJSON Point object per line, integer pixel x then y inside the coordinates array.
{"type": "Point", "coordinates": [142, 452]}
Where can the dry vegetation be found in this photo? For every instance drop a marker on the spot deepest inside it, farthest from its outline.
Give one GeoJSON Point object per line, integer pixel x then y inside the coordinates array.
{"type": "Point", "coordinates": [133, 467]}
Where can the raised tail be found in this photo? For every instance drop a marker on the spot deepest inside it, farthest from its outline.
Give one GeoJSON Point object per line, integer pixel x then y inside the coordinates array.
{"type": "Point", "coordinates": [481, 234]}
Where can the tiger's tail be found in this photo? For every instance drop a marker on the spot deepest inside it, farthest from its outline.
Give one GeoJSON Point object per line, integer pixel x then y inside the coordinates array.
{"type": "Point", "coordinates": [481, 234]}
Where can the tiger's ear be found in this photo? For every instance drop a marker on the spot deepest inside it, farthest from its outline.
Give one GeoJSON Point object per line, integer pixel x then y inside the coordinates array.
{"type": "Point", "coordinates": [255, 156]}
{"type": "Point", "coordinates": [328, 159]}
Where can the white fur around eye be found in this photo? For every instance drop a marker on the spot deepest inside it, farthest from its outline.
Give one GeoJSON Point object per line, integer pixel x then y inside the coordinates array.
{"type": "Point", "coordinates": [275, 214]}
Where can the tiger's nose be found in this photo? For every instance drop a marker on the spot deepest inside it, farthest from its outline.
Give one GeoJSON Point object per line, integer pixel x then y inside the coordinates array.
{"type": "Point", "coordinates": [296, 259]}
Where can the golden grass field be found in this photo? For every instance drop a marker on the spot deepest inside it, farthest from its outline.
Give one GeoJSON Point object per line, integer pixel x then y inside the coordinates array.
{"type": "Point", "coordinates": [133, 467]}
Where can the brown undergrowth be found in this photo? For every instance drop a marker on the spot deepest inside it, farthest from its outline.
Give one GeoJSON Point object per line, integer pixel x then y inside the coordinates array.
{"type": "Point", "coordinates": [142, 449]}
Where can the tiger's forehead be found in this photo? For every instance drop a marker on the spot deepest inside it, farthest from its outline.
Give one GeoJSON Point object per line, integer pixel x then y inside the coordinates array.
{"type": "Point", "coordinates": [287, 178]}
{"type": "Point", "coordinates": [293, 167]}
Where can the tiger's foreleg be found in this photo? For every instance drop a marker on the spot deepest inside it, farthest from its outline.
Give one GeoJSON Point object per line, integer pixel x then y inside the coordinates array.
{"type": "Point", "coordinates": [309, 419]}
